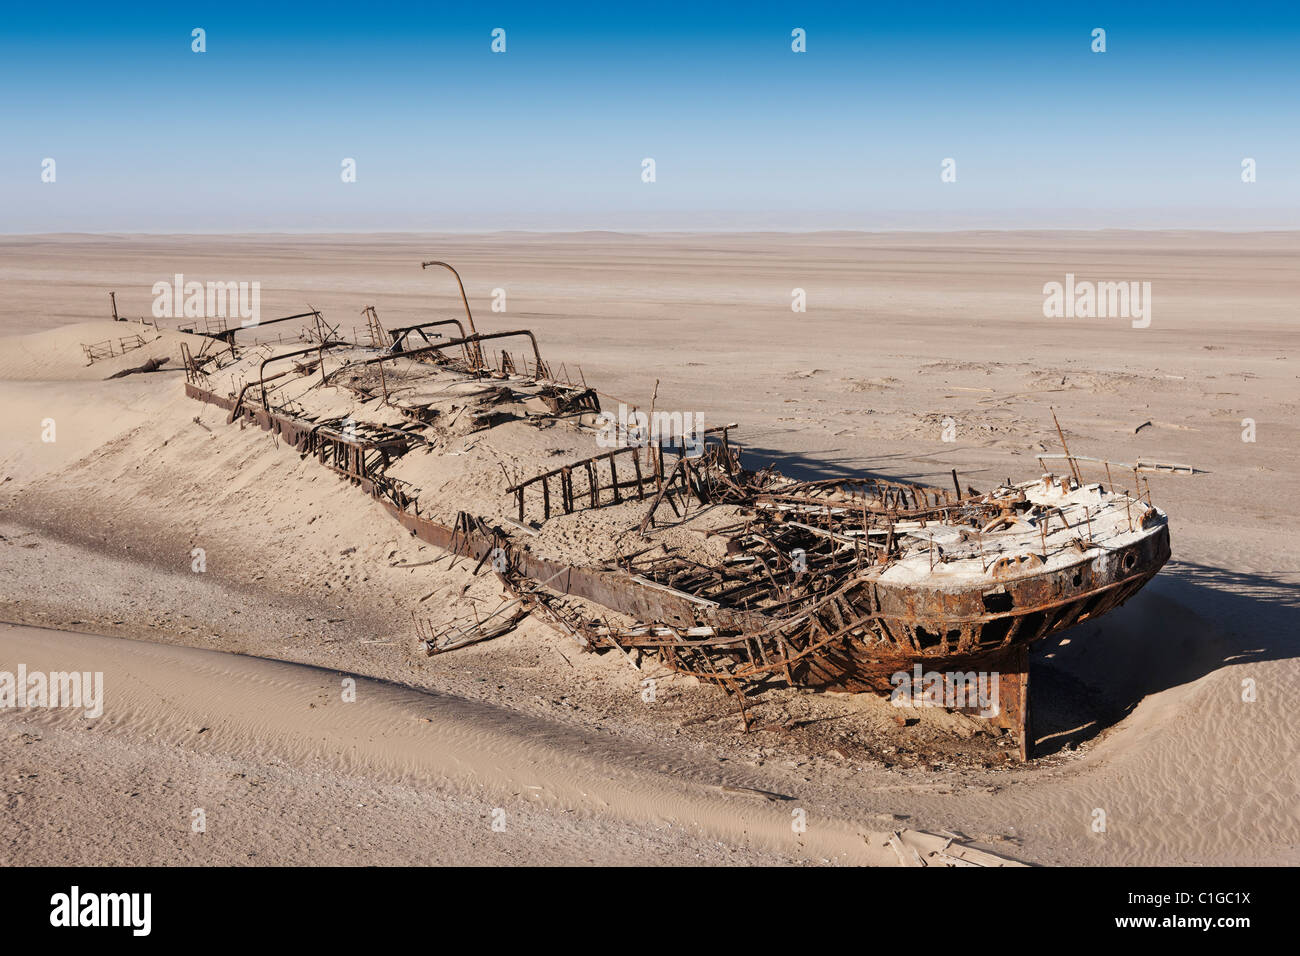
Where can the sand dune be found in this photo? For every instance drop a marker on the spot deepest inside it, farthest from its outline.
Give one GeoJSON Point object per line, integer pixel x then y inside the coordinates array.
{"type": "Point", "coordinates": [1139, 715]}
{"type": "Point", "coordinates": [257, 711]}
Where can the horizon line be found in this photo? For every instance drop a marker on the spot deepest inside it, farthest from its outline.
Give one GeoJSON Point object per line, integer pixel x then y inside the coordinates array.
{"type": "Point", "coordinates": [1217, 230]}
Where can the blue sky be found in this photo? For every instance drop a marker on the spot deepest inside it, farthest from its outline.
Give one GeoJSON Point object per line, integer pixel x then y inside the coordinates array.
{"type": "Point", "coordinates": [148, 136]}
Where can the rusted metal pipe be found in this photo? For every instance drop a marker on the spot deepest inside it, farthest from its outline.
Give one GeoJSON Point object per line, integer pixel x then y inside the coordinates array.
{"type": "Point", "coordinates": [261, 371]}
{"type": "Point", "coordinates": [468, 339]}
{"type": "Point", "coordinates": [469, 316]}
{"type": "Point", "coordinates": [463, 298]}
{"type": "Point", "coordinates": [228, 335]}
{"type": "Point", "coordinates": [399, 336]}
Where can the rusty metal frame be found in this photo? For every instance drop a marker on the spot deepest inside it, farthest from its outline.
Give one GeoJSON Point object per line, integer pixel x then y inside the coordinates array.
{"type": "Point", "coordinates": [318, 349]}
{"type": "Point", "coordinates": [833, 621]}
{"type": "Point", "coordinates": [227, 335]}
{"type": "Point", "coordinates": [834, 625]}
{"type": "Point", "coordinates": [399, 336]}
{"type": "Point", "coordinates": [468, 339]}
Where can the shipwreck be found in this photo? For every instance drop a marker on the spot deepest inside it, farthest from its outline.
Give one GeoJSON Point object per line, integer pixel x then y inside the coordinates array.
{"type": "Point", "coordinates": [736, 576]}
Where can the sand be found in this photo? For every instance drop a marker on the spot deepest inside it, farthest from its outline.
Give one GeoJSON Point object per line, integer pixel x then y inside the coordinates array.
{"type": "Point", "coordinates": [1139, 714]}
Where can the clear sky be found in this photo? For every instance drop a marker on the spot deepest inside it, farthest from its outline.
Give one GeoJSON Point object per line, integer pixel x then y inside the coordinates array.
{"type": "Point", "coordinates": [148, 136]}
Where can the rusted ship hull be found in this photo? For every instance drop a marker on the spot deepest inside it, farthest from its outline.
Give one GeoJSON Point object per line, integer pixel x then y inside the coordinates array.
{"type": "Point", "coordinates": [974, 629]}
{"type": "Point", "coordinates": [857, 640]}
{"type": "Point", "coordinates": [832, 584]}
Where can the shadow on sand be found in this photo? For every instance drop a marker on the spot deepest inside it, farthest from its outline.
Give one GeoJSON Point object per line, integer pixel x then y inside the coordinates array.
{"type": "Point", "coordinates": [929, 468]}
{"type": "Point", "coordinates": [1190, 621]}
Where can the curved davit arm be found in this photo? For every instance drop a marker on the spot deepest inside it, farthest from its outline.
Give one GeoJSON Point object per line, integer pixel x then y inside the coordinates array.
{"type": "Point", "coordinates": [469, 318]}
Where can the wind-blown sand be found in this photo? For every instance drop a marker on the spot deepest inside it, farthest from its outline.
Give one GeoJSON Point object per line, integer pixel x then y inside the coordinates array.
{"type": "Point", "coordinates": [577, 795]}
{"type": "Point", "coordinates": [1139, 714]}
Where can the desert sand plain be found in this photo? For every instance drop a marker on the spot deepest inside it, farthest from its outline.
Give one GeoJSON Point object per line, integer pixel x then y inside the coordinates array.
{"type": "Point", "coordinates": [222, 688]}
